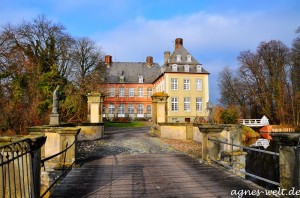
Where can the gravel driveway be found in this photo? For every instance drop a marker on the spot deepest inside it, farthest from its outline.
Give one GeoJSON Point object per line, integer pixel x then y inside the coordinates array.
{"type": "Point", "coordinates": [123, 141]}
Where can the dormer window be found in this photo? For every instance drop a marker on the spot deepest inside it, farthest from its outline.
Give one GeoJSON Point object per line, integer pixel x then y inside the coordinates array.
{"type": "Point", "coordinates": [141, 79]}
{"type": "Point", "coordinates": [186, 68]}
{"type": "Point", "coordinates": [188, 58]}
{"type": "Point", "coordinates": [174, 68]}
{"type": "Point", "coordinates": [178, 58]}
{"type": "Point", "coordinates": [199, 68]}
{"type": "Point", "coordinates": [122, 79]}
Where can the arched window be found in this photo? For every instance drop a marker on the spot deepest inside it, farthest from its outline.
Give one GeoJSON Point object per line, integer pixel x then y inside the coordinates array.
{"type": "Point", "coordinates": [121, 109]}
{"type": "Point", "coordinates": [149, 109]}
{"type": "Point", "coordinates": [174, 67]}
{"type": "Point", "coordinates": [140, 109]}
{"type": "Point", "coordinates": [186, 68]}
{"type": "Point", "coordinates": [199, 68]}
{"type": "Point", "coordinates": [188, 58]}
{"type": "Point", "coordinates": [130, 109]}
{"type": "Point", "coordinates": [111, 109]}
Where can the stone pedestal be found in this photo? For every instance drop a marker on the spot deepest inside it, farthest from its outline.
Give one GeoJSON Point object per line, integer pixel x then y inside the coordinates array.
{"type": "Point", "coordinates": [54, 119]}
{"type": "Point", "coordinates": [289, 159]}
{"type": "Point", "coordinates": [95, 107]}
{"type": "Point", "coordinates": [159, 113]}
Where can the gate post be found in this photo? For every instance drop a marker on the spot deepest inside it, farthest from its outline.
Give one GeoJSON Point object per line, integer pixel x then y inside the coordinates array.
{"type": "Point", "coordinates": [159, 101]}
{"type": "Point", "coordinates": [289, 159]}
{"type": "Point", "coordinates": [95, 107]}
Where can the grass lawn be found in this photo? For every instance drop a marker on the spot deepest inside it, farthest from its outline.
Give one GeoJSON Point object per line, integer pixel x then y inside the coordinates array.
{"type": "Point", "coordinates": [125, 124]}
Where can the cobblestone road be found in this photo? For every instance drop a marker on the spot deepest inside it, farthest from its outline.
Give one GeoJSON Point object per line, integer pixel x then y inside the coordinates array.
{"type": "Point", "coordinates": [132, 163]}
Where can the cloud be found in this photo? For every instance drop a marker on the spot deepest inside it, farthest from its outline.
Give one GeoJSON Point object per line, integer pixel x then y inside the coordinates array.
{"type": "Point", "coordinates": [213, 39]}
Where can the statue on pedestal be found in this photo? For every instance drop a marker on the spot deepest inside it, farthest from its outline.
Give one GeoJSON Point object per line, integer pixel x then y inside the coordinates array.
{"type": "Point", "coordinates": [54, 116]}
{"type": "Point", "coordinates": [55, 100]}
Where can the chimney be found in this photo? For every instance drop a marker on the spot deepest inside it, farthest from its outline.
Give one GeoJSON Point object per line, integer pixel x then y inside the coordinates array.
{"type": "Point", "coordinates": [166, 57]}
{"type": "Point", "coordinates": [149, 61]}
{"type": "Point", "coordinates": [108, 61]}
{"type": "Point", "coordinates": [178, 42]}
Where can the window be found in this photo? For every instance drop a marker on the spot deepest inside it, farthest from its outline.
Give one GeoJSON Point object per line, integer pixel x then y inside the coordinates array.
{"type": "Point", "coordinates": [178, 58]}
{"type": "Point", "coordinates": [140, 109]}
{"type": "Point", "coordinates": [174, 103]}
{"type": "Point", "coordinates": [174, 68]}
{"type": "Point", "coordinates": [186, 84]}
{"type": "Point", "coordinates": [198, 104]}
{"type": "Point", "coordinates": [131, 92]}
{"type": "Point", "coordinates": [111, 92]}
{"type": "Point", "coordinates": [174, 119]}
{"type": "Point", "coordinates": [121, 109]}
{"type": "Point", "coordinates": [199, 68]}
{"type": "Point", "coordinates": [149, 92]}
{"type": "Point", "coordinates": [140, 92]}
{"type": "Point", "coordinates": [148, 109]}
{"type": "Point", "coordinates": [122, 92]}
{"type": "Point", "coordinates": [174, 83]}
{"type": "Point", "coordinates": [141, 79]}
{"type": "Point", "coordinates": [187, 104]}
{"type": "Point", "coordinates": [111, 109]}
{"type": "Point", "coordinates": [188, 58]}
{"type": "Point", "coordinates": [199, 84]}
{"type": "Point", "coordinates": [130, 109]}
{"type": "Point", "coordinates": [186, 68]}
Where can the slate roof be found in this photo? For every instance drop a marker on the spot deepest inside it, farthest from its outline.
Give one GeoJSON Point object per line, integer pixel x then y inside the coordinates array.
{"type": "Point", "coordinates": [184, 53]}
{"type": "Point", "coordinates": [131, 72]}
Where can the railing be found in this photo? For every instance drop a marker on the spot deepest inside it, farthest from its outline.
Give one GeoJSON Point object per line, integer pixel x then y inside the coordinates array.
{"type": "Point", "coordinates": [255, 122]}
{"type": "Point", "coordinates": [16, 171]}
{"type": "Point", "coordinates": [65, 169]}
{"type": "Point", "coordinates": [20, 167]}
{"type": "Point", "coordinates": [230, 166]}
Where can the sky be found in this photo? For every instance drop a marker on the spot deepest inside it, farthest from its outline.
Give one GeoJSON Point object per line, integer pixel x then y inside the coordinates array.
{"type": "Point", "coordinates": [213, 31]}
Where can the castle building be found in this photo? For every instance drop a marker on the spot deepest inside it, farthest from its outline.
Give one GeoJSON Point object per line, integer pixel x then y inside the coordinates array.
{"type": "Point", "coordinates": [130, 85]}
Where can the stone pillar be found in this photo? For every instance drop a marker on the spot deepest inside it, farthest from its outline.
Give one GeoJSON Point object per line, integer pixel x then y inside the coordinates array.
{"type": "Point", "coordinates": [57, 140]}
{"type": "Point", "coordinates": [210, 150]}
{"type": "Point", "coordinates": [95, 107]}
{"type": "Point", "coordinates": [159, 113]}
{"type": "Point", "coordinates": [289, 160]}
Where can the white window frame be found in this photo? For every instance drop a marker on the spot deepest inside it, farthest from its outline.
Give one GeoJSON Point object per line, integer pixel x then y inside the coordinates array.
{"type": "Point", "coordinates": [187, 104]}
{"type": "Point", "coordinates": [121, 109]}
{"type": "Point", "coordinates": [189, 58]}
{"type": "Point", "coordinates": [178, 58]}
{"type": "Point", "coordinates": [199, 68]}
{"type": "Point", "coordinates": [121, 92]}
{"type": "Point", "coordinates": [186, 68]}
{"type": "Point", "coordinates": [130, 109]}
{"type": "Point", "coordinates": [199, 84]}
{"type": "Point", "coordinates": [140, 92]}
{"type": "Point", "coordinates": [186, 84]}
{"type": "Point", "coordinates": [148, 109]}
{"type": "Point", "coordinates": [111, 109]}
{"type": "Point", "coordinates": [149, 92]}
{"type": "Point", "coordinates": [111, 92]}
{"type": "Point", "coordinates": [174, 104]}
{"type": "Point", "coordinates": [141, 79]}
{"type": "Point", "coordinates": [174, 68]}
{"type": "Point", "coordinates": [130, 92]}
{"type": "Point", "coordinates": [199, 104]}
{"type": "Point", "coordinates": [140, 109]}
{"type": "Point", "coordinates": [174, 83]}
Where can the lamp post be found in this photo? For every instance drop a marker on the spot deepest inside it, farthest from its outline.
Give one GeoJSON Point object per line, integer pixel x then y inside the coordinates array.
{"type": "Point", "coordinates": [208, 111]}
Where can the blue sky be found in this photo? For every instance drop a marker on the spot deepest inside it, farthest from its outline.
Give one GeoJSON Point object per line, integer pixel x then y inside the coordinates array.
{"type": "Point", "coordinates": [213, 31]}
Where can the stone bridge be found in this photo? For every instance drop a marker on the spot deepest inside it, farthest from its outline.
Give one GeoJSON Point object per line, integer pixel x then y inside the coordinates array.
{"type": "Point", "coordinates": [132, 163]}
